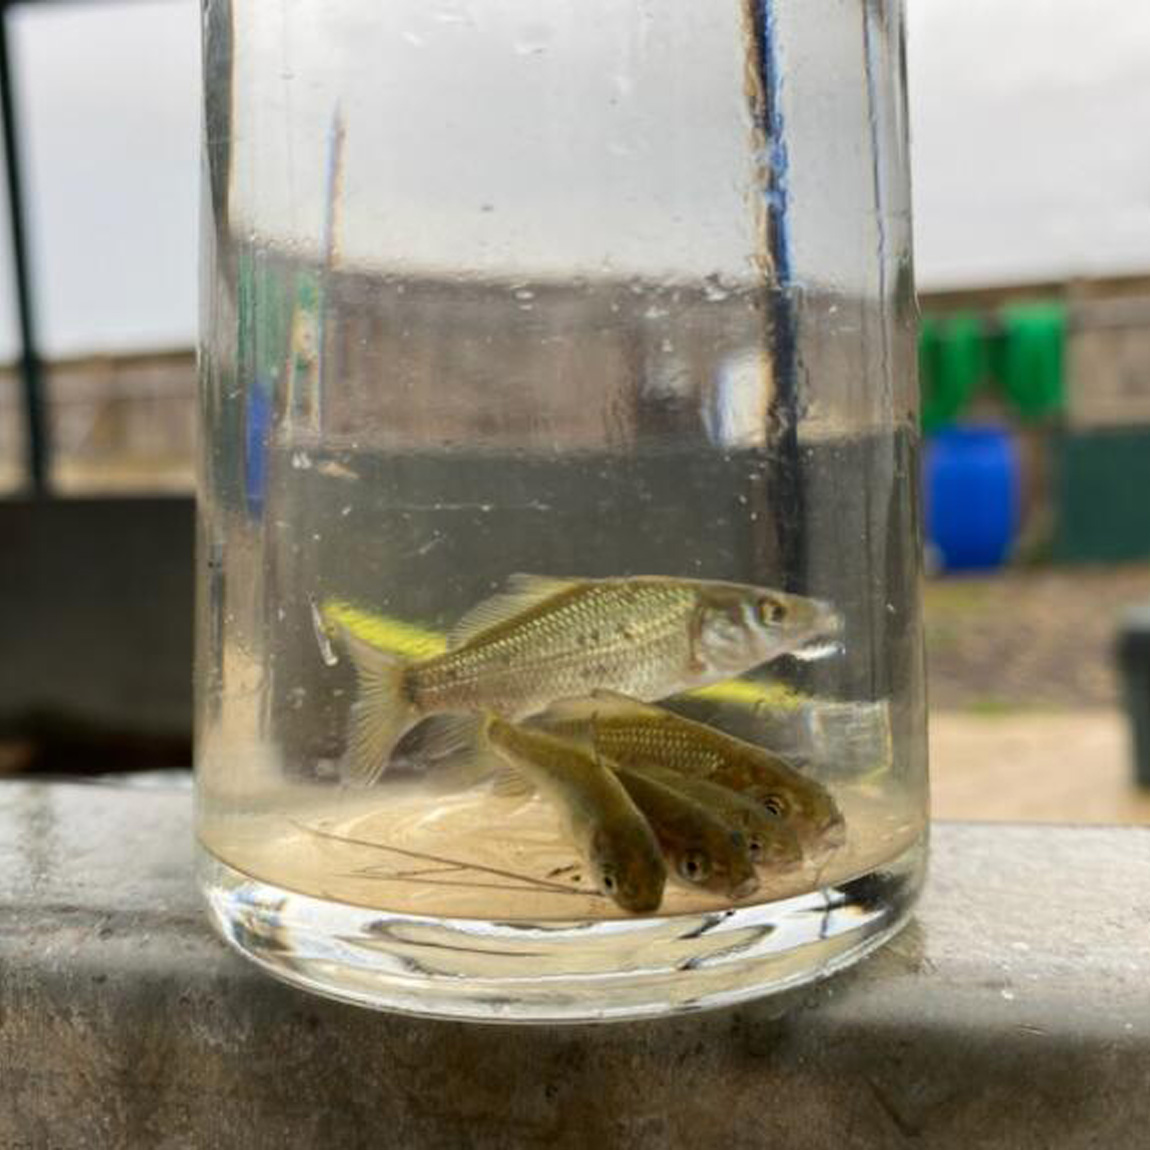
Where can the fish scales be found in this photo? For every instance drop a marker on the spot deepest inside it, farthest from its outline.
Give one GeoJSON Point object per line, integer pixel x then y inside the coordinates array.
{"type": "Point", "coordinates": [545, 639]}
{"type": "Point", "coordinates": [628, 636]}
{"type": "Point", "coordinates": [636, 735]}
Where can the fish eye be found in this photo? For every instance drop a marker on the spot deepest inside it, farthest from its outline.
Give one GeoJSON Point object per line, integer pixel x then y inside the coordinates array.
{"type": "Point", "coordinates": [770, 610]}
{"type": "Point", "coordinates": [774, 805]}
{"type": "Point", "coordinates": [694, 866]}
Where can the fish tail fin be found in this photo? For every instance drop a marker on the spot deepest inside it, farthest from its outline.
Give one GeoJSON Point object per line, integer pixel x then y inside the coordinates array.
{"type": "Point", "coordinates": [382, 713]}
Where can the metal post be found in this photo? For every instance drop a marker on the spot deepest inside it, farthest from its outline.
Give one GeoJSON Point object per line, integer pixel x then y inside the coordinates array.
{"type": "Point", "coordinates": [36, 427]}
{"type": "Point", "coordinates": [785, 492]}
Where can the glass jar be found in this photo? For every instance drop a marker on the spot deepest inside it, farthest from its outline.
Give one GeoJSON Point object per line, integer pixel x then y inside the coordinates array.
{"type": "Point", "coordinates": [559, 640]}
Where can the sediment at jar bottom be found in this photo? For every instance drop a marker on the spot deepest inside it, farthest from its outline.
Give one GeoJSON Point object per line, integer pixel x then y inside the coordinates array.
{"type": "Point", "coordinates": [407, 847]}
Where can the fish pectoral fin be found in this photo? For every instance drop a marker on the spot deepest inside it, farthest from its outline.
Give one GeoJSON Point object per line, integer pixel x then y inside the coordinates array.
{"type": "Point", "coordinates": [696, 663]}
{"type": "Point", "coordinates": [511, 784]}
{"type": "Point", "coordinates": [521, 594]}
{"type": "Point", "coordinates": [455, 743]}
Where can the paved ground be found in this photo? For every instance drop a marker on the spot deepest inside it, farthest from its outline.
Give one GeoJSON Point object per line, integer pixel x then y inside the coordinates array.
{"type": "Point", "coordinates": [1043, 637]}
{"type": "Point", "coordinates": [1026, 722]}
{"type": "Point", "coordinates": [1052, 767]}
{"type": "Point", "coordinates": [1011, 1014]}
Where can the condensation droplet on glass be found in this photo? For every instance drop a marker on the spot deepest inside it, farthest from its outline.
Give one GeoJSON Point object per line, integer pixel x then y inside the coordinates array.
{"type": "Point", "coordinates": [301, 461]}
{"type": "Point", "coordinates": [322, 638]}
{"type": "Point", "coordinates": [345, 511]}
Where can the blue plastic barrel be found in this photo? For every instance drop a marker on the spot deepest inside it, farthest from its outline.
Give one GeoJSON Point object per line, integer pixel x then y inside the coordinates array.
{"type": "Point", "coordinates": [972, 496]}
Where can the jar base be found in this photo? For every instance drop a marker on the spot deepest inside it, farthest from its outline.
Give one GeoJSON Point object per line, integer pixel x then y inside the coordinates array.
{"type": "Point", "coordinates": [550, 972]}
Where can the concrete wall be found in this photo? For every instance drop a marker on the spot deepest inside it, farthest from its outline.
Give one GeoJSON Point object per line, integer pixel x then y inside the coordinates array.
{"type": "Point", "coordinates": [95, 614]}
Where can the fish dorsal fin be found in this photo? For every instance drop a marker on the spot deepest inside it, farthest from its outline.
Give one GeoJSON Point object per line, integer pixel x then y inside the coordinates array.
{"type": "Point", "coordinates": [521, 593]}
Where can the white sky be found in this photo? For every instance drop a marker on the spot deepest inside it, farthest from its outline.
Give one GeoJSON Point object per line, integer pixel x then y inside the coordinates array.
{"type": "Point", "coordinates": [1029, 155]}
{"type": "Point", "coordinates": [1030, 138]}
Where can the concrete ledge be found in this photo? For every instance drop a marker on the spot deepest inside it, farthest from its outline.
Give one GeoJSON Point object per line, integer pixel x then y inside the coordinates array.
{"type": "Point", "coordinates": [1015, 1012]}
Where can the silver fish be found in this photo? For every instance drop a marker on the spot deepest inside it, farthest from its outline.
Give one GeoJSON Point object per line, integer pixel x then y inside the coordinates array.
{"type": "Point", "coordinates": [547, 639]}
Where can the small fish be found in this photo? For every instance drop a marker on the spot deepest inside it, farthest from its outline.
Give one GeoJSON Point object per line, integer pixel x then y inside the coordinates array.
{"type": "Point", "coordinates": [633, 734]}
{"type": "Point", "coordinates": [771, 841]}
{"type": "Point", "coordinates": [704, 850]}
{"type": "Point", "coordinates": [546, 639]}
{"type": "Point", "coordinates": [608, 829]}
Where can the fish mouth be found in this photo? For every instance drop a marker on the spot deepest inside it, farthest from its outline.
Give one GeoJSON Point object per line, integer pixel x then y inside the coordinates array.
{"type": "Point", "coordinates": [642, 904]}
{"type": "Point", "coordinates": [817, 647]}
{"type": "Point", "coordinates": [828, 838]}
{"type": "Point", "coordinates": [834, 832]}
{"type": "Point", "coordinates": [824, 636]}
{"type": "Point", "coordinates": [745, 888]}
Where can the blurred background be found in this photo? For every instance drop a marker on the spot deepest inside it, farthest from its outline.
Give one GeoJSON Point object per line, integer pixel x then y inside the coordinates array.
{"type": "Point", "coordinates": [1032, 228]}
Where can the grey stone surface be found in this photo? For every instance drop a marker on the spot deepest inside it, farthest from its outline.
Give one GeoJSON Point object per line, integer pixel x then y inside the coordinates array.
{"type": "Point", "coordinates": [1014, 1012]}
